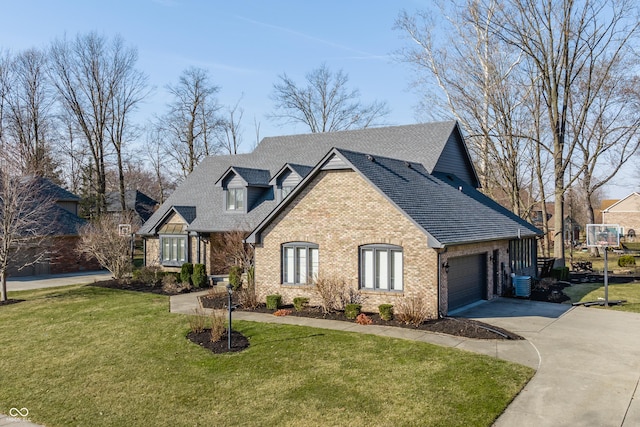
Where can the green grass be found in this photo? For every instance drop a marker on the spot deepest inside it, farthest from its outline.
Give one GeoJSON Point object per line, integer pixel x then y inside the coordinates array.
{"type": "Point", "coordinates": [618, 291]}
{"type": "Point", "coordinates": [94, 356]}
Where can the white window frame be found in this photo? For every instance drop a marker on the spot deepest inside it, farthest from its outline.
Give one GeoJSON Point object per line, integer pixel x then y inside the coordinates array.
{"type": "Point", "coordinates": [232, 196]}
{"type": "Point", "coordinates": [178, 249]}
{"type": "Point", "coordinates": [379, 265]}
{"type": "Point", "coordinates": [300, 261]}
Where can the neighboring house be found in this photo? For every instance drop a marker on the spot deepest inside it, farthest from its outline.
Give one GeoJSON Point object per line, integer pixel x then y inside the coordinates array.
{"type": "Point", "coordinates": [62, 225]}
{"type": "Point", "coordinates": [404, 219]}
{"type": "Point", "coordinates": [135, 201]}
{"type": "Point", "coordinates": [625, 213]}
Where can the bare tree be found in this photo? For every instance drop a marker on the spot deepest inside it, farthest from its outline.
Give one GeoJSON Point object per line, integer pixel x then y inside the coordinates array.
{"type": "Point", "coordinates": [562, 41]}
{"type": "Point", "coordinates": [230, 134]}
{"type": "Point", "coordinates": [25, 215]}
{"type": "Point", "coordinates": [478, 82]}
{"type": "Point", "coordinates": [95, 79]}
{"type": "Point", "coordinates": [190, 125]}
{"type": "Point", "coordinates": [28, 119]}
{"type": "Point", "coordinates": [104, 240]}
{"type": "Point", "coordinates": [228, 249]}
{"type": "Point", "coordinates": [157, 157]}
{"type": "Point", "coordinates": [324, 103]}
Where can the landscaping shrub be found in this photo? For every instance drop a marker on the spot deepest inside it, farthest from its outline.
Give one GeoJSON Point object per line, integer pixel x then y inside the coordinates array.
{"type": "Point", "coordinates": [247, 297]}
{"type": "Point", "coordinates": [199, 276]}
{"type": "Point", "coordinates": [171, 285]}
{"type": "Point", "coordinates": [186, 271]}
{"type": "Point", "coordinates": [217, 325]}
{"type": "Point", "coordinates": [274, 302]}
{"type": "Point", "coordinates": [351, 311]}
{"type": "Point", "coordinates": [235, 277]}
{"type": "Point", "coordinates": [626, 261]}
{"type": "Point", "coordinates": [363, 319]}
{"type": "Point", "coordinates": [335, 293]}
{"type": "Point", "coordinates": [299, 303]}
{"type": "Point", "coordinates": [386, 311]}
{"type": "Point", "coordinates": [196, 321]}
{"type": "Point", "coordinates": [282, 312]}
{"type": "Point", "coordinates": [560, 273]}
{"type": "Point", "coordinates": [150, 275]}
{"type": "Point", "coordinates": [412, 310]}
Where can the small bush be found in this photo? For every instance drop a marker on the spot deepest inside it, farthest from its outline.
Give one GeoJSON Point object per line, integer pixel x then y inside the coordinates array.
{"type": "Point", "coordinates": [560, 273]}
{"type": "Point", "coordinates": [217, 325]}
{"type": "Point", "coordinates": [235, 277]}
{"type": "Point", "coordinates": [199, 276]}
{"type": "Point", "coordinates": [282, 312]}
{"type": "Point", "coordinates": [186, 271]}
{"type": "Point", "coordinates": [363, 319]}
{"type": "Point", "coordinates": [196, 321]}
{"type": "Point", "coordinates": [626, 261]}
{"type": "Point", "coordinates": [248, 298]}
{"type": "Point", "coordinates": [335, 293]}
{"type": "Point", "coordinates": [274, 302]}
{"type": "Point", "coordinates": [351, 311]}
{"type": "Point", "coordinates": [412, 310]}
{"type": "Point", "coordinates": [149, 275]}
{"type": "Point", "coordinates": [299, 303]}
{"type": "Point", "coordinates": [170, 285]}
{"type": "Point", "coordinates": [386, 311]}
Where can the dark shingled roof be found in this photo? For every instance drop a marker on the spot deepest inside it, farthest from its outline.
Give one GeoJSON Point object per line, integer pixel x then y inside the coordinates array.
{"type": "Point", "coordinates": [422, 143]}
{"type": "Point", "coordinates": [134, 200]}
{"type": "Point", "coordinates": [447, 209]}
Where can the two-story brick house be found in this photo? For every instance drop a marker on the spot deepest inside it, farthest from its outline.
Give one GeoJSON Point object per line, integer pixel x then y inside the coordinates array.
{"type": "Point", "coordinates": [393, 210]}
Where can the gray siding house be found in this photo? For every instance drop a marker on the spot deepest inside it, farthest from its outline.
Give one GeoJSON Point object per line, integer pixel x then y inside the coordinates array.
{"type": "Point", "coordinates": [394, 210]}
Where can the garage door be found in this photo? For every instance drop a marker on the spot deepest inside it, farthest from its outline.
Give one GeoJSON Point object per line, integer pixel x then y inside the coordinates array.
{"type": "Point", "coordinates": [467, 280]}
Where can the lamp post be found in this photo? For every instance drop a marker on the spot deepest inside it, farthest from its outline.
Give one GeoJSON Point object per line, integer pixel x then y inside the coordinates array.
{"type": "Point", "coordinates": [229, 293]}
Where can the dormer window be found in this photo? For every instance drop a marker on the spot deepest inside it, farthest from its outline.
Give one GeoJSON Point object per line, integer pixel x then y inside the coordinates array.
{"type": "Point", "coordinates": [235, 199]}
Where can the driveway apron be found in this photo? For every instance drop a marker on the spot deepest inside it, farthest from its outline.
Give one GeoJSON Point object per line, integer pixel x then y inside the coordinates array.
{"type": "Point", "coordinates": [589, 363]}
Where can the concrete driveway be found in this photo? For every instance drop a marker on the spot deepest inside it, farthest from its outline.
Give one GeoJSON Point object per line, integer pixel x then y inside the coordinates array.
{"type": "Point", "coordinates": [27, 283]}
{"type": "Point", "coordinates": [589, 363]}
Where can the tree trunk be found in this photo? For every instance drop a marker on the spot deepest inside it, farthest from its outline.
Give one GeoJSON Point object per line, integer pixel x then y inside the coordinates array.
{"type": "Point", "coordinates": [3, 286]}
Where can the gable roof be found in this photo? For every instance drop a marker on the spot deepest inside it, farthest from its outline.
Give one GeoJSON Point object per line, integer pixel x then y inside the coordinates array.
{"type": "Point", "coordinates": [620, 203]}
{"type": "Point", "coordinates": [134, 200]}
{"type": "Point", "coordinates": [448, 210]}
{"type": "Point", "coordinates": [250, 176]}
{"type": "Point", "coordinates": [421, 143]}
{"type": "Point", "coordinates": [51, 190]}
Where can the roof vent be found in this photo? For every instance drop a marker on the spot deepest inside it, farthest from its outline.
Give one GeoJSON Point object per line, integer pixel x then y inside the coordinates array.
{"type": "Point", "coordinates": [460, 188]}
{"type": "Point", "coordinates": [407, 164]}
{"type": "Point", "coordinates": [370, 158]}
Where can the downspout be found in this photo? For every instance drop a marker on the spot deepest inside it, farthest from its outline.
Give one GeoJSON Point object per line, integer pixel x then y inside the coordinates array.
{"type": "Point", "coordinates": [198, 249]}
{"type": "Point", "coordinates": [144, 251]}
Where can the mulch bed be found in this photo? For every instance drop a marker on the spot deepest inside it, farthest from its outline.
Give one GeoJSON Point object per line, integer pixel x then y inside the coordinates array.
{"type": "Point", "coordinates": [138, 287]}
{"type": "Point", "coordinates": [238, 341]}
{"type": "Point", "coordinates": [456, 326]}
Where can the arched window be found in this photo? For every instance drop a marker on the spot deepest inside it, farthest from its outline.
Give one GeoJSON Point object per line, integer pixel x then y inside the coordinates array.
{"type": "Point", "coordinates": [381, 267]}
{"type": "Point", "coordinates": [631, 233]}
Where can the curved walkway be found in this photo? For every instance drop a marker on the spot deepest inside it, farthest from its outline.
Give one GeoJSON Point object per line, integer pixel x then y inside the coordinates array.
{"type": "Point", "coordinates": [520, 351]}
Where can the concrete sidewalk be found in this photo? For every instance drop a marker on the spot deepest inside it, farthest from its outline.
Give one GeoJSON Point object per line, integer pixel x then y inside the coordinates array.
{"type": "Point", "coordinates": [520, 351]}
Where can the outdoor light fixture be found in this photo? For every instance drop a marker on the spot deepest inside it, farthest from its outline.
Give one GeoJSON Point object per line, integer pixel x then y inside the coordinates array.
{"type": "Point", "coordinates": [229, 292]}
{"type": "Point", "coordinates": [445, 265]}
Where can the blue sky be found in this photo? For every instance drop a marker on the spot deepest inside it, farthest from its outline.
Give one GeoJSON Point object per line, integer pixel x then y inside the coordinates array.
{"type": "Point", "coordinates": [244, 44]}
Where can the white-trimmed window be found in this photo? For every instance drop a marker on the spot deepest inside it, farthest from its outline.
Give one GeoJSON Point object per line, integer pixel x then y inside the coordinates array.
{"type": "Point", "coordinates": [381, 267]}
{"type": "Point", "coordinates": [299, 263]}
{"type": "Point", "coordinates": [173, 250]}
{"type": "Point", "coordinates": [235, 199]}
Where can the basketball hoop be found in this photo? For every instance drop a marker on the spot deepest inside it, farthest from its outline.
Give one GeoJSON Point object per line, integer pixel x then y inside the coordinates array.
{"type": "Point", "coordinates": [124, 230]}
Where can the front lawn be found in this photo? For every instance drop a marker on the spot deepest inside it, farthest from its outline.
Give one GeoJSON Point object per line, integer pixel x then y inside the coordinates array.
{"type": "Point", "coordinates": [617, 291]}
{"type": "Point", "coordinates": [93, 356]}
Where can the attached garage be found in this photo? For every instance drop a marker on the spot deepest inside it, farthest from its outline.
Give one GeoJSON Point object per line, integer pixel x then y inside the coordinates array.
{"type": "Point", "coordinates": [467, 280]}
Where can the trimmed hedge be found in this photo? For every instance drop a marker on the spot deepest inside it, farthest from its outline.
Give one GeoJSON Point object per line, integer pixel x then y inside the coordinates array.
{"type": "Point", "coordinates": [274, 302]}
{"type": "Point", "coordinates": [199, 276]}
{"type": "Point", "coordinates": [185, 272]}
{"type": "Point", "coordinates": [351, 311]}
{"type": "Point", "coordinates": [299, 303]}
{"type": "Point", "coordinates": [626, 261]}
{"type": "Point", "coordinates": [386, 311]}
